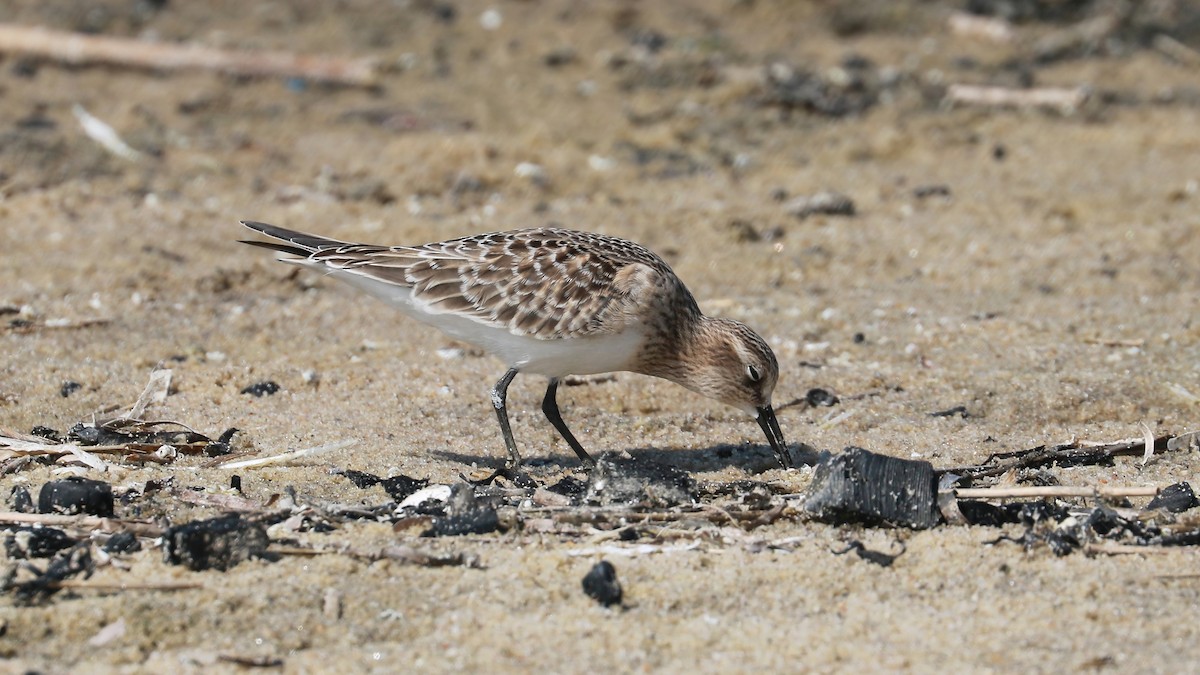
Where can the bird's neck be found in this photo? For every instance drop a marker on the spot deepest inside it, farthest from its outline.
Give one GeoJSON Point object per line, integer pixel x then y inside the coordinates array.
{"type": "Point", "coordinates": [681, 357]}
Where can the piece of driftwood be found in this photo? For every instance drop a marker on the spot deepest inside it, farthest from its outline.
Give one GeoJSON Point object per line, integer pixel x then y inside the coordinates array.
{"type": "Point", "coordinates": [78, 49]}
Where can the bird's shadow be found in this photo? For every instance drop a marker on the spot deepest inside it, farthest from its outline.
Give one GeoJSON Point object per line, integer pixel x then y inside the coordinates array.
{"type": "Point", "coordinates": [753, 459]}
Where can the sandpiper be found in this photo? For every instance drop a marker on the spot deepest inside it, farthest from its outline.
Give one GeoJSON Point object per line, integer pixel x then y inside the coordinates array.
{"type": "Point", "coordinates": [557, 302]}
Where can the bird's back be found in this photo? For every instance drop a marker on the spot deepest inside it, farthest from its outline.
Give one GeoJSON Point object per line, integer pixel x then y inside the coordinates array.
{"type": "Point", "coordinates": [545, 283]}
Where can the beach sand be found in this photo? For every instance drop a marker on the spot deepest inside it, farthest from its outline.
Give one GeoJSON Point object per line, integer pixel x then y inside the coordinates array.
{"type": "Point", "coordinates": [1037, 267]}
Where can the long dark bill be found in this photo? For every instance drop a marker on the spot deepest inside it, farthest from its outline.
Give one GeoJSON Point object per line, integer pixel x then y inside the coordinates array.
{"type": "Point", "coordinates": [770, 427]}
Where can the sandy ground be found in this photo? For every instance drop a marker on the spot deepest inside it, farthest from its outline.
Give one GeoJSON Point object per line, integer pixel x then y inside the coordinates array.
{"type": "Point", "coordinates": [1052, 292]}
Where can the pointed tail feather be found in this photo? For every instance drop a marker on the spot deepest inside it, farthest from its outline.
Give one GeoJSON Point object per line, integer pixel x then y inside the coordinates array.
{"type": "Point", "coordinates": [280, 247]}
{"type": "Point", "coordinates": [304, 244]}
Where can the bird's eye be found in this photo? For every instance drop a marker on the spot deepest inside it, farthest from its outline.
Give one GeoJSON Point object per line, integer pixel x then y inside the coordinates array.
{"type": "Point", "coordinates": [753, 374]}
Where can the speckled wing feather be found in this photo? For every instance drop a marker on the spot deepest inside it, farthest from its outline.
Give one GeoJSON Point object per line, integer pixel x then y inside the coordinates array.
{"type": "Point", "coordinates": [546, 283]}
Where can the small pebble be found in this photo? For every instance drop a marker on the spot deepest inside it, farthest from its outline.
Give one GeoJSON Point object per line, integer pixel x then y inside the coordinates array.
{"type": "Point", "coordinates": [924, 191]}
{"type": "Point", "coordinates": [491, 19]}
{"type": "Point", "coordinates": [217, 543]}
{"type": "Point", "coordinates": [600, 164]}
{"type": "Point", "coordinates": [260, 389]}
{"type": "Point", "coordinates": [825, 203]}
{"type": "Point", "coordinates": [20, 500]}
{"type": "Point", "coordinates": [74, 495]}
{"type": "Point", "coordinates": [818, 398]}
{"type": "Point", "coordinates": [601, 584]}
{"type": "Point", "coordinates": [560, 57]}
{"type": "Point", "coordinates": [122, 542]}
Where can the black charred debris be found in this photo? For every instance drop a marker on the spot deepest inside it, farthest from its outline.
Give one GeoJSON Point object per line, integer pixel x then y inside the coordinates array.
{"type": "Point", "coordinates": [628, 495]}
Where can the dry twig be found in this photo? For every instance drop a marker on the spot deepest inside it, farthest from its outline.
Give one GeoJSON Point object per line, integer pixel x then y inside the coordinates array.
{"type": "Point", "coordinates": [1079, 36]}
{"type": "Point", "coordinates": [984, 27]}
{"type": "Point", "coordinates": [402, 553]}
{"type": "Point", "coordinates": [74, 48]}
{"type": "Point", "coordinates": [1053, 491]}
{"type": "Point", "coordinates": [138, 527]}
{"type": "Point", "coordinates": [1065, 101]}
{"type": "Point", "coordinates": [28, 326]}
{"type": "Point", "coordinates": [1066, 454]}
{"type": "Point", "coordinates": [288, 457]}
{"type": "Point", "coordinates": [1176, 50]}
{"type": "Point", "coordinates": [1108, 548]}
{"type": "Point", "coordinates": [125, 586]}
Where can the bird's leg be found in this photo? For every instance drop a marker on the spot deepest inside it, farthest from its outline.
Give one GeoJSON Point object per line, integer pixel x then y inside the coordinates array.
{"type": "Point", "coordinates": [550, 408]}
{"type": "Point", "coordinates": [499, 394]}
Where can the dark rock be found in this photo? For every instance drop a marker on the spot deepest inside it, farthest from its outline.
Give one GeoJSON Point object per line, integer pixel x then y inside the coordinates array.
{"type": "Point", "coordinates": [260, 389]}
{"type": "Point", "coordinates": [650, 39]}
{"type": "Point", "coordinates": [217, 543]}
{"type": "Point", "coordinates": [465, 514]}
{"type": "Point", "coordinates": [570, 486]}
{"type": "Point", "coordinates": [46, 433]}
{"type": "Point", "coordinates": [601, 584]}
{"type": "Point", "coordinates": [744, 231]}
{"type": "Point", "coordinates": [122, 542]}
{"type": "Point", "coordinates": [859, 486]}
{"type": "Point", "coordinates": [559, 57]}
{"type": "Point", "coordinates": [75, 495]}
{"type": "Point", "coordinates": [620, 480]}
{"type": "Point", "coordinates": [221, 445]}
{"type": "Point", "coordinates": [1175, 498]}
{"type": "Point", "coordinates": [36, 542]}
{"type": "Point", "coordinates": [818, 398]}
{"type": "Point", "coordinates": [1033, 513]}
{"type": "Point", "coordinates": [983, 513]}
{"type": "Point", "coordinates": [19, 500]}
{"type": "Point", "coordinates": [445, 12]}
{"type": "Point", "coordinates": [399, 487]}
{"type": "Point", "coordinates": [69, 563]}
{"type": "Point", "coordinates": [796, 89]}
{"type": "Point", "coordinates": [69, 387]}
{"type": "Point", "coordinates": [361, 479]}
